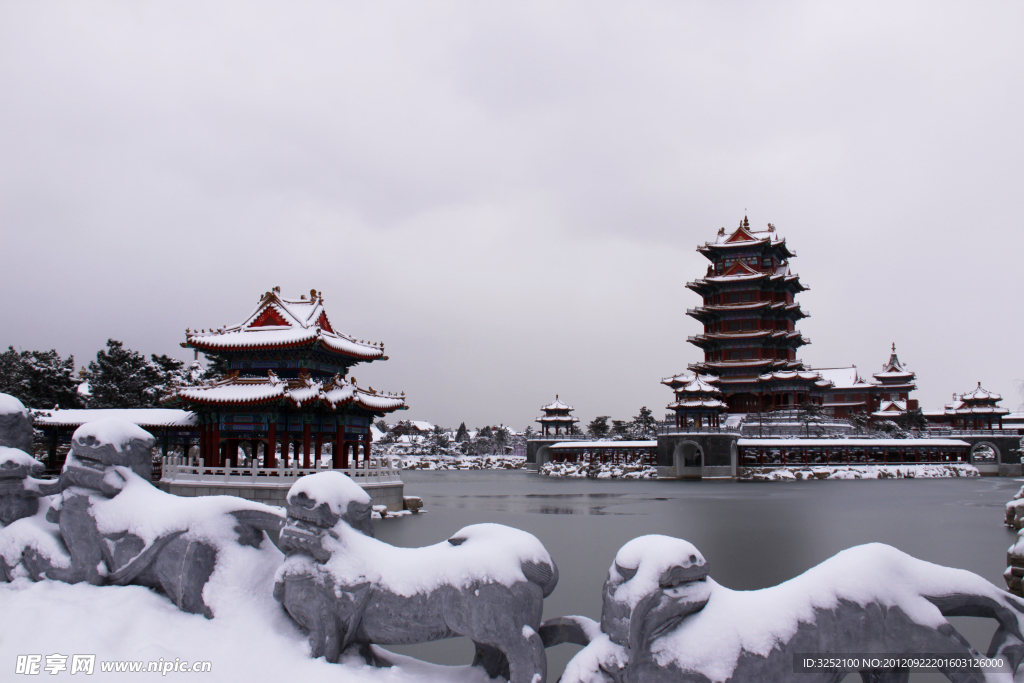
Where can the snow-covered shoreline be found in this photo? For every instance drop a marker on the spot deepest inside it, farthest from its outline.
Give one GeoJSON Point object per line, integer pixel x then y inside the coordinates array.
{"type": "Point", "coordinates": [463, 462]}
{"type": "Point", "coordinates": [853, 472]}
{"type": "Point", "coordinates": [598, 471]}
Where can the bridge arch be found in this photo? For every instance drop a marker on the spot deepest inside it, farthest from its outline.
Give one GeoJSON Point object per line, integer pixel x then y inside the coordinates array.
{"type": "Point", "coordinates": [979, 453]}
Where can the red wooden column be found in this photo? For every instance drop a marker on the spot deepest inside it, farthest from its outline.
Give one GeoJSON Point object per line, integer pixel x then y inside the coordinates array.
{"type": "Point", "coordinates": [215, 445]}
{"type": "Point", "coordinates": [319, 444]}
{"type": "Point", "coordinates": [339, 459]}
{"type": "Point", "coordinates": [305, 444]}
{"type": "Point", "coordinates": [367, 441]}
{"type": "Point", "coordinates": [204, 439]}
{"type": "Point", "coordinates": [270, 457]}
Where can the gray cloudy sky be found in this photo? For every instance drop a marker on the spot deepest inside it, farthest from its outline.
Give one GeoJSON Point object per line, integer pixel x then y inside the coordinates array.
{"type": "Point", "coordinates": [509, 195]}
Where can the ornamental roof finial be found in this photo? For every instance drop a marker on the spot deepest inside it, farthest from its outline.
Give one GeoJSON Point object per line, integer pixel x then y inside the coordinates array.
{"type": "Point", "coordinates": [746, 223]}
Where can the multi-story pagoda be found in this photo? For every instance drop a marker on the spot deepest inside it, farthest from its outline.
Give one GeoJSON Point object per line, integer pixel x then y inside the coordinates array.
{"type": "Point", "coordinates": [287, 384]}
{"type": "Point", "coordinates": [698, 401]}
{"type": "Point", "coordinates": [749, 314]}
{"type": "Point", "coordinates": [556, 419]}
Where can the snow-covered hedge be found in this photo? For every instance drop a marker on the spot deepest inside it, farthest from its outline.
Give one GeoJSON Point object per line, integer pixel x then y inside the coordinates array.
{"type": "Point", "coordinates": [598, 471]}
{"type": "Point", "coordinates": [849, 472]}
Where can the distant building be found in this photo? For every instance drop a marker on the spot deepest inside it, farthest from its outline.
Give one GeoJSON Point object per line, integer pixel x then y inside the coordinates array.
{"type": "Point", "coordinates": [556, 419]}
{"type": "Point", "coordinates": [886, 397]}
{"type": "Point", "coordinates": [974, 410]}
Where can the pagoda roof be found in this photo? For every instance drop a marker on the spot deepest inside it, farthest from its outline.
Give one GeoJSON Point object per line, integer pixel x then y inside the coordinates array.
{"type": "Point", "coordinates": [279, 323]}
{"type": "Point", "coordinates": [745, 237]}
{"type": "Point", "coordinates": [556, 418]}
{"type": "Point", "coordinates": [336, 393]}
{"type": "Point", "coordinates": [557, 405]}
{"type": "Point", "coordinates": [756, 334]}
{"type": "Point", "coordinates": [790, 375]}
{"type": "Point", "coordinates": [686, 378]}
{"type": "Point", "coordinates": [894, 370]}
{"type": "Point", "coordinates": [696, 403]}
{"type": "Point", "coordinates": [772, 278]}
{"type": "Point", "coordinates": [980, 394]}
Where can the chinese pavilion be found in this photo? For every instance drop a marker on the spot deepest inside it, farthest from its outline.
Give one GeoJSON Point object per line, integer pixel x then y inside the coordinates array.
{"type": "Point", "coordinates": [974, 410]}
{"type": "Point", "coordinates": [698, 400]}
{"type": "Point", "coordinates": [556, 417]}
{"type": "Point", "coordinates": [749, 313]}
{"type": "Point", "coordinates": [288, 383]}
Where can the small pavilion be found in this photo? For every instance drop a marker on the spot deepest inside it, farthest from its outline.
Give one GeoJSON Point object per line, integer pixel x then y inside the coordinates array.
{"type": "Point", "coordinates": [556, 420]}
{"type": "Point", "coordinates": [974, 410]}
{"type": "Point", "coordinates": [288, 385]}
{"type": "Point", "coordinates": [699, 401]}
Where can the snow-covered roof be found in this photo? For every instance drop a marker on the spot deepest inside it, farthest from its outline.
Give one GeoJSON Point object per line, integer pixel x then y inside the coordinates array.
{"type": "Point", "coordinates": [891, 409]}
{"type": "Point", "coordinates": [745, 236]}
{"type": "Point", "coordinates": [894, 370]}
{"type": "Point", "coordinates": [335, 393]}
{"type": "Point", "coordinates": [278, 323]}
{"type": "Point", "coordinates": [604, 444]}
{"type": "Point", "coordinates": [696, 403]}
{"type": "Point", "coordinates": [557, 405]}
{"type": "Point", "coordinates": [980, 394]}
{"type": "Point", "coordinates": [843, 378]}
{"type": "Point", "coordinates": [143, 417]}
{"type": "Point", "coordinates": [556, 418]}
{"type": "Point", "coordinates": [858, 443]}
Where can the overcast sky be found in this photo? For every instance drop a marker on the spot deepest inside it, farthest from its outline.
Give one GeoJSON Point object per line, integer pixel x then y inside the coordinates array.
{"type": "Point", "coordinates": [509, 195]}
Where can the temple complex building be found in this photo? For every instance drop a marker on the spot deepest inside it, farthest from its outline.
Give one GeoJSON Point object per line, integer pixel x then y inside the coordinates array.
{"type": "Point", "coordinates": [885, 397]}
{"type": "Point", "coordinates": [974, 410]}
{"type": "Point", "coordinates": [287, 387]}
{"type": "Point", "coordinates": [749, 313]}
{"type": "Point", "coordinates": [556, 419]}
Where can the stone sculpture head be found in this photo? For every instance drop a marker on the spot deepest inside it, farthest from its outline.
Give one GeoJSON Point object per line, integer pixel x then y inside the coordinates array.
{"type": "Point", "coordinates": [653, 584]}
{"type": "Point", "coordinates": [19, 488]}
{"type": "Point", "coordinates": [97, 447]}
{"type": "Point", "coordinates": [316, 504]}
{"type": "Point", "coordinates": [15, 424]}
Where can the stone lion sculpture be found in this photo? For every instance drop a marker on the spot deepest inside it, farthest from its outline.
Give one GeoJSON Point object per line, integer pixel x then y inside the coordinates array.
{"type": "Point", "coordinates": [487, 582]}
{"type": "Point", "coordinates": [24, 499]}
{"type": "Point", "coordinates": [665, 620]}
{"type": "Point", "coordinates": [117, 528]}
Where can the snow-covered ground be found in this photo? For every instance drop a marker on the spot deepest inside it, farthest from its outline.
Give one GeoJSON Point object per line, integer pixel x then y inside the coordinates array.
{"type": "Point", "coordinates": [251, 638]}
{"type": "Point", "coordinates": [852, 472]}
{"type": "Point", "coordinates": [464, 462]}
{"type": "Point", "coordinates": [598, 471]}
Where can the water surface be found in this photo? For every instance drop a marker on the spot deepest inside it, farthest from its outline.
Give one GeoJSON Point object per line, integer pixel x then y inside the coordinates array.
{"type": "Point", "coordinates": [753, 535]}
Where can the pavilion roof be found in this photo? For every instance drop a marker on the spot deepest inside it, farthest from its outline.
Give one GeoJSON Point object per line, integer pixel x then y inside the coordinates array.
{"type": "Point", "coordinates": [744, 237]}
{"type": "Point", "coordinates": [143, 417]}
{"type": "Point", "coordinates": [279, 323]}
{"type": "Point", "coordinates": [557, 405]}
{"type": "Point", "coordinates": [338, 392]}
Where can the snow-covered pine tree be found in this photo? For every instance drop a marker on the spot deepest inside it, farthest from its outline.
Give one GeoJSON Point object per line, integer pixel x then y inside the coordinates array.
{"type": "Point", "coordinates": [122, 378]}
{"type": "Point", "coordinates": [598, 427]}
{"type": "Point", "coordinates": [462, 434]}
{"type": "Point", "coordinates": [644, 426]}
{"type": "Point", "coordinates": [39, 379]}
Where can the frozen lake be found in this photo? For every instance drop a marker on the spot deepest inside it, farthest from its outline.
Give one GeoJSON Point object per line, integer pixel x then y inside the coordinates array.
{"type": "Point", "coordinates": [753, 534]}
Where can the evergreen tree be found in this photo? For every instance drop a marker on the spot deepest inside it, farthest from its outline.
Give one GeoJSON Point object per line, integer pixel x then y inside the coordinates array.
{"type": "Point", "coordinates": [502, 438]}
{"type": "Point", "coordinates": [598, 427]}
{"type": "Point", "coordinates": [462, 434]}
{"type": "Point", "coordinates": [216, 366]}
{"type": "Point", "coordinates": [122, 378]}
{"type": "Point", "coordinates": [438, 440]}
{"type": "Point", "coordinates": [39, 379]}
{"type": "Point", "coordinates": [913, 419]}
{"type": "Point", "coordinates": [644, 426]}
{"type": "Point", "coordinates": [810, 413]}
{"type": "Point", "coordinates": [382, 426]}
{"type": "Point", "coordinates": [860, 420]}
{"type": "Point", "coordinates": [620, 429]}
